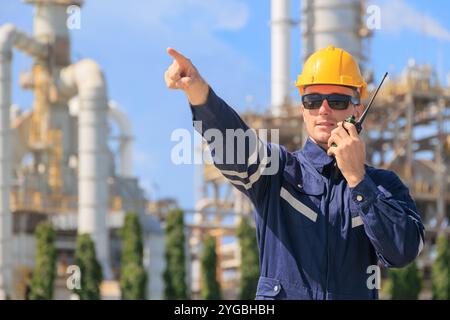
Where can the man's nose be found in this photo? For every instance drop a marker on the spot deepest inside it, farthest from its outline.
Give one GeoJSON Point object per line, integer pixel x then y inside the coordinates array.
{"type": "Point", "coordinates": [325, 107]}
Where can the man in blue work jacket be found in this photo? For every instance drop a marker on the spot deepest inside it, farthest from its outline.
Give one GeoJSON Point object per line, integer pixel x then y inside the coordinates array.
{"type": "Point", "coordinates": [320, 234]}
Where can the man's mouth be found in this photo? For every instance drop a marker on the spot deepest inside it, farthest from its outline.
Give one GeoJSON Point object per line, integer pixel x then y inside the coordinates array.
{"type": "Point", "coordinates": [325, 124]}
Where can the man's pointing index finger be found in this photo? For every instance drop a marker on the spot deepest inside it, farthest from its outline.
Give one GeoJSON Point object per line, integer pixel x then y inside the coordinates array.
{"type": "Point", "coordinates": [182, 60]}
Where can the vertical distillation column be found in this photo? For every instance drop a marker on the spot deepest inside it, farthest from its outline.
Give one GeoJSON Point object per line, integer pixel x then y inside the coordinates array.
{"type": "Point", "coordinates": [280, 54]}
{"type": "Point", "coordinates": [9, 37]}
{"type": "Point", "coordinates": [93, 158]}
{"type": "Point", "coordinates": [50, 112]}
{"type": "Point", "coordinates": [86, 79]}
{"type": "Point", "coordinates": [5, 172]}
{"type": "Point", "coordinates": [332, 22]}
{"type": "Point", "coordinates": [409, 130]}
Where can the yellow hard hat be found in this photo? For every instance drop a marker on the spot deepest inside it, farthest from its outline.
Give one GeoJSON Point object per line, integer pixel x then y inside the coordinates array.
{"type": "Point", "coordinates": [332, 66]}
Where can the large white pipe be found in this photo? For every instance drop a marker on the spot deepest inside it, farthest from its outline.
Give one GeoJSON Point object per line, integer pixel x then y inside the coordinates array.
{"type": "Point", "coordinates": [86, 78]}
{"type": "Point", "coordinates": [50, 27]}
{"type": "Point", "coordinates": [125, 139]}
{"type": "Point", "coordinates": [280, 53]}
{"type": "Point", "coordinates": [5, 165]}
{"type": "Point", "coordinates": [332, 22]}
{"type": "Point", "coordinates": [125, 136]}
{"type": "Point", "coordinates": [50, 20]}
{"type": "Point", "coordinates": [10, 37]}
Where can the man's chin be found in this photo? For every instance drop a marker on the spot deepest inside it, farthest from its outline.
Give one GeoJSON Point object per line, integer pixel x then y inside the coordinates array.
{"type": "Point", "coordinates": [321, 140]}
{"type": "Point", "coordinates": [322, 137]}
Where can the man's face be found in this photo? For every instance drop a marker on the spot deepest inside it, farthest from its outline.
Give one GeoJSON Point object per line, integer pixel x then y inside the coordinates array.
{"type": "Point", "coordinates": [320, 122]}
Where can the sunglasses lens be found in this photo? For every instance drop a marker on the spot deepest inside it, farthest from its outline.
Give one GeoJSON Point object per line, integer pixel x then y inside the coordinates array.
{"type": "Point", "coordinates": [312, 101]}
{"type": "Point", "coordinates": [338, 101]}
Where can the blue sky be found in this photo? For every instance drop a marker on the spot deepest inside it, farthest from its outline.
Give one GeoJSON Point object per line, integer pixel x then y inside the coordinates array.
{"type": "Point", "coordinates": [229, 41]}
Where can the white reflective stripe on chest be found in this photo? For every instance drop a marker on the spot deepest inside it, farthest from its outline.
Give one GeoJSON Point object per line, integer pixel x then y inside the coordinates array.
{"type": "Point", "coordinates": [357, 221]}
{"type": "Point", "coordinates": [297, 205]}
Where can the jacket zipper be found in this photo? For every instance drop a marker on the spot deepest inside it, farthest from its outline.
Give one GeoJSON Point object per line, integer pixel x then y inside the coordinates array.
{"type": "Point", "coordinates": [327, 218]}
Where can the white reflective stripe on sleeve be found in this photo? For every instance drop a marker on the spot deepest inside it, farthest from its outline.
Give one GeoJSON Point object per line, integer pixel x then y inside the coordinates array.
{"type": "Point", "coordinates": [357, 221]}
{"type": "Point", "coordinates": [420, 246]}
{"type": "Point", "coordinates": [244, 174]}
{"type": "Point", "coordinates": [253, 178]}
{"type": "Point", "coordinates": [297, 205]}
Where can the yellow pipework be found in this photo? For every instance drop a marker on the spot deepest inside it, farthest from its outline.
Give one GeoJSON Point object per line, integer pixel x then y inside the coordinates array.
{"type": "Point", "coordinates": [39, 119]}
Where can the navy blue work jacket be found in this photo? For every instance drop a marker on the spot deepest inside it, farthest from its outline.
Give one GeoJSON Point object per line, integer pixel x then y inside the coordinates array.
{"type": "Point", "coordinates": [317, 237]}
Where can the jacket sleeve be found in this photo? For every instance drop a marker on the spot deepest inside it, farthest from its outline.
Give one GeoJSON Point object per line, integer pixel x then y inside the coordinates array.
{"type": "Point", "coordinates": [243, 158]}
{"type": "Point", "coordinates": [390, 217]}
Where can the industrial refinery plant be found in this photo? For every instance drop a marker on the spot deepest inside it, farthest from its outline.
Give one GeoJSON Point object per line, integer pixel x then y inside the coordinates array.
{"type": "Point", "coordinates": [56, 163]}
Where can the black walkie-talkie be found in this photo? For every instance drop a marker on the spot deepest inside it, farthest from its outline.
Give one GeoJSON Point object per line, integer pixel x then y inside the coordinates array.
{"type": "Point", "coordinates": [358, 124]}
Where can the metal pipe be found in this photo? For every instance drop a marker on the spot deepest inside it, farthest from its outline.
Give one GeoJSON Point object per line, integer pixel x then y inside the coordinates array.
{"type": "Point", "coordinates": [50, 27]}
{"type": "Point", "coordinates": [280, 53]}
{"type": "Point", "coordinates": [5, 163]}
{"type": "Point", "coordinates": [441, 182]}
{"type": "Point", "coordinates": [10, 37]}
{"type": "Point", "coordinates": [125, 136]}
{"type": "Point", "coordinates": [332, 22]}
{"type": "Point", "coordinates": [409, 130]}
{"type": "Point", "coordinates": [50, 20]}
{"type": "Point", "coordinates": [125, 139]}
{"type": "Point", "coordinates": [87, 78]}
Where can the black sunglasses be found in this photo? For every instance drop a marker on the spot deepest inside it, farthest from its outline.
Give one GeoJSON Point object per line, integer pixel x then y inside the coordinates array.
{"type": "Point", "coordinates": [336, 101]}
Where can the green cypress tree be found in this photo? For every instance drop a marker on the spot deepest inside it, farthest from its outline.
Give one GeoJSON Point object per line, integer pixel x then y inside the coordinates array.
{"type": "Point", "coordinates": [406, 282]}
{"type": "Point", "coordinates": [249, 267]}
{"type": "Point", "coordinates": [90, 269]}
{"type": "Point", "coordinates": [210, 287]}
{"type": "Point", "coordinates": [44, 273]}
{"type": "Point", "coordinates": [133, 282]}
{"type": "Point", "coordinates": [133, 278]}
{"type": "Point", "coordinates": [440, 273]}
{"type": "Point", "coordinates": [175, 272]}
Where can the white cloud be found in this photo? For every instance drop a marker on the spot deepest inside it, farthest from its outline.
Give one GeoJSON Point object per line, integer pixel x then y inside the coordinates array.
{"type": "Point", "coordinates": [214, 14]}
{"type": "Point", "coordinates": [397, 15]}
{"type": "Point", "coordinates": [225, 15]}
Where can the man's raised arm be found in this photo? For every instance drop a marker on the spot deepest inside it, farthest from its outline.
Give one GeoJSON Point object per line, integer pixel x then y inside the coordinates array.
{"type": "Point", "coordinates": [240, 155]}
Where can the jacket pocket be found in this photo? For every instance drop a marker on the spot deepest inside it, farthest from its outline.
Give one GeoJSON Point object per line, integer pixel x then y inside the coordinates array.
{"type": "Point", "coordinates": [301, 198]}
{"type": "Point", "coordinates": [268, 288]}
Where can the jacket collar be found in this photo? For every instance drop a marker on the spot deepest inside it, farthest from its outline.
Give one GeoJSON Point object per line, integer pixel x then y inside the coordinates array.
{"type": "Point", "coordinates": [316, 156]}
